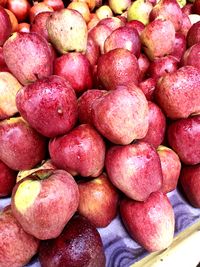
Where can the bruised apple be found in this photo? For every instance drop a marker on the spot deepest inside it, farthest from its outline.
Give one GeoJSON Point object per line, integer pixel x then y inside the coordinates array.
{"type": "Point", "coordinates": [80, 152]}
{"type": "Point", "coordinates": [7, 180]}
{"type": "Point", "coordinates": [44, 202]}
{"type": "Point", "coordinates": [49, 105]}
{"type": "Point", "coordinates": [150, 223]}
{"type": "Point", "coordinates": [28, 57]}
{"type": "Point", "coordinates": [78, 245]}
{"type": "Point", "coordinates": [134, 169]}
{"type": "Point", "coordinates": [118, 108]}
{"type": "Point", "coordinates": [21, 147]}
{"type": "Point", "coordinates": [98, 200]}
{"type": "Point", "coordinates": [17, 246]}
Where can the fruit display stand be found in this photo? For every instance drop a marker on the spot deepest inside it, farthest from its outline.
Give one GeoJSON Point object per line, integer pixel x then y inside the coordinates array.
{"type": "Point", "coordinates": [122, 251]}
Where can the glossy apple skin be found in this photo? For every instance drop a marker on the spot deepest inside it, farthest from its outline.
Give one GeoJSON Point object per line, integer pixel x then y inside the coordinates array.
{"type": "Point", "coordinates": [80, 152]}
{"type": "Point", "coordinates": [117, 67]}
{"type": "Point", "coordinates": [55, 4]}
{"type": "Point", "coordinates": [5, 26]}
{"type": "Point", "coordinates": [39, 24]}
{"type": "Point", "coordinates": [98, 201]}
{"type": "Point", "coordinates": [178, 93]}
{"type": "Point", "coordinates": [17, 246]}
{"type": "Point", "coordinates": [193, 35]}
{"type": "Point", "coordinates": [7, 180]}
{"type": "Point", "coordinates": [157, 126]}
{"type": "Point", "coordinates": [78, 245]}
{"type": "Point", "coordinates": [85, 102]}
{"type": "Point", "coordinates": [72, 64]}
{"type": "Point", "coordinates": [19, 8]}
{"type": "Point", "coordinates": [49, 105]}
{"type": "Point", "coordinates": [183, 137]}
{"type": "Point", "coordinates": [171, 167]}
{"type": "Point", "coordinates": [190, 181]}
{"type": "Point", "coordinates": [58, 194]}
{"type": "Point", "coordinates": [120, 107]}
{"type": "Point", "coordinates": [134, 169]}
{"type": "Point", "coordinates": [21, 147]}
{"type": "Point", "coordinates": [24, 27]}
{"type": "Point", "coordinates": [28, 57]}
{"type": "Point", "coordinates": [150, 223]}
{"type": "Point", "coordinates": [191, 56]}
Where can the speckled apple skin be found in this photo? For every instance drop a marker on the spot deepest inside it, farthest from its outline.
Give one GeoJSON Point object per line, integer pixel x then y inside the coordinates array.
{"type": "Point", "coordinates": [178, 93]}
{"type": "Point", "coordinates": [134, 169]}
{"type": "Point", "coordinates": [184, 138]}
{"type": "Point", "coordinates": [80, 152]}
{"type": "Point", "coordinates": [190, 181]}
{"type": "Point", "coordinates": [150, 223]}
{"type": "Point", "coordinates": [78, 245]}
{"type": "Point", "coordinates": [17, 246]}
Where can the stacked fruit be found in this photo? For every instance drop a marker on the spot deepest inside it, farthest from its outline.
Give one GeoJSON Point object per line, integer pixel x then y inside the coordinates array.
{"type": "Point", "coordinates": [99, 110]}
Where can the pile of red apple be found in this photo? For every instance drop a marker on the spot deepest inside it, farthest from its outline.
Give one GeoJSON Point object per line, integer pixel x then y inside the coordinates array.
{"type": "Point", "coordinates": [100, 114]}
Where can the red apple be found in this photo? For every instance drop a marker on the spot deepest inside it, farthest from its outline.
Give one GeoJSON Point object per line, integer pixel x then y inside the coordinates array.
{"type": "Point", "coordinates": [21, 147]}
{"type": "Point", "coordinates": [44, 202]}
{"type": "Point", "coordinates": [49, 105]}
{"type": "Point", "coordinates": [190, 181]}
{"type": "Point", "coordinates": [80, 152]}
{"type": "Point", "coordinates": [193, 35]}
{"type": "Point", "coordinates": [148, 87]}
{"type": "Point", "coordinates": [187, 9]}
{"type": "Point", "coordinates": [178, 93]}
{"type": "Point", "coordinates": [37, 8]}
{"type": "Point", "coordinates": [5, 26]}
{"type": "Point", "coordinates": [136, 24]}
{"type": "Point", "coordinates": [157, 125]}
{"type": "Point", "coordinates": [184, 138]}
{"type": "Point", "coordinates": [17, 246]}
{"type": "Point", "coordinates": [195, 8]}
{"type": "Point", "coordinates": [7, 180]}
{"type": "Point", "coordinates": [72, 64]}
{"type": "Point", "coordinates": [186, 25]}
{"type": "Point", "coordinates": [85, 103]}
{"type": "Point", "coordinates": [171, 167]}
{"type": "Point", "coordinates": [28, 56]}
{"type": "Point", "coordinates": [19, 8]}
{"type": "Point", "coordinates": [55, 4]}
{"type": "Point", "coordinates": [3, 3]}
{"type": "Point", "coordinates": [192, 56]}
{"type": "Point", "coordinates": [134, 169]}
{"type": "Point", "coordinates": [143, 63]}
{"type": "Point", "coordinates": [113, 23]}
{"type": "Point", "coordinates": [150, 223]}
{"type": "Point", "coordinates": [122, 106]}
{"type": "Point", "coordinates": [98, 201]}
{"type": "Point", "coordinates": [79, 245]}
{"type": "Point", "coordinates": [92, 51]}
{"type": "Point", "coordinates": [117, 67]}
{"type": "Point", "coordinates": [179, 46]}
{"type": "Point", "coordinates": [123, 37]}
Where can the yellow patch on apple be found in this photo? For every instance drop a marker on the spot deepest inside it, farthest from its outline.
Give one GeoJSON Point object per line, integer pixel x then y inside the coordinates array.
{"type": "Point", "coordinates": [26, 194]}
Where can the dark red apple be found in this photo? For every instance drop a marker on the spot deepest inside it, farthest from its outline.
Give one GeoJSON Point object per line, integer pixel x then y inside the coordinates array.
{"type": "Point", "coordinates": [117, 67]}
{"type": "Point", "coordinates": [72, 64]}
{"type": "Point", "coordinates": [7, 180]}
{"type": "Point", "coordinates": [148, 87]}
{"type": "Point", "coordinates": [80, 152]}
{"type": "Point", "coordinates": [187, 9]}
{"type": "Point", "coordinates": [157, 126]}
{"type": "Point", "coordinates": [44, 202]}
{"type": "Point", "coordinates": [193, 35]}
{"type": "Point", "coordinates": [123, 37]}
{"type": "Point", "coordinates": [190, 181]}
{"type": "Point", "coordinates": [21, 147]}
{"type": "Point", "coordinates": [78, 245]}
{"type": "Point", "coordinates": [178, 93]}
{"type": "Point", "coordinates": [150, 223]}
{"type": "Point", "coordinates": [184, 138]}
{"type": "Point", "coordinates": [98, 200]}
{"type": "Point", "coordinates": [17, 246]}
{"type": "Point", "coordinates": [195, 8]}
{"type": "Point", "coordinates": [5, 26]}
{"type": "Point", "coordinates": [3, 3]}
{"type": "Point", "coordinates": [171, 167]}
{"type": "Point", "coordinates": [49, 106]}
{"type": "Point", "coordinates": [192, 56]}
{"type": "Point", "coordinates": [85, 103]}
{"type": "Point", "coordinates": [134, 169]}
{"type": "Point", "coordinates": [123, 106]}
{"type": "Point", "coordinates": [143, 63]}
{"type": "Point", "coordinates": [136, 24]}
{"type": "Point", "coordinates": [19, 8]}
{"type": "Point", "coordinates": [28, 56]}
{"type": "Point", "coordinates": [179, 46]}
{"type": "Point", "coordinates": [39, 24]}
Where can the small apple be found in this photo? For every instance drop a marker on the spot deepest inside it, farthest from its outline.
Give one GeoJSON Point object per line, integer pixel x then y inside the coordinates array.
{"type": "Point", "coordinates": [103, 12]}
{"type": "Point", "coordinates": [5, 26]}
{"type": "Point", "coordinates": [38, 7]}
{"type": "Point", "coordinates": [136, 24]}
{"type": "Point", "coordinates": [113, 23]}
{"type": "Point", "coordinates": [44, 202]}
{"type": "Point", "coordinates": [67, 31]}
{"type": "Point", "coordinates": [39, 24]}
{"type": "Point", "coordinates": [98, 200]}
{"type": "Point", "coordinates": [134, 169]}
{"type": "Point", "coordinates": [190, 181]}
{"type": "Point", "coordinates": [80, 152]}
{"type": "Point", "coordinates": [7, 180]}
{"type": "Point", "coordinates": [150, 223]}
{"type": "Point", "coordinates": [17, 246]}
{"type": "Point", "coordinates": [78, 245]}
{"type": "Point", "coordinates": [140, 10]}
{"type": "Point", "coordinates": [21, 147]}
{"type": "Point", "coordinates": [19, 8]}
{"type": "Point", "coordinates": [171, 167]}
{"type": "Point", "coordinates": [193, 35]}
